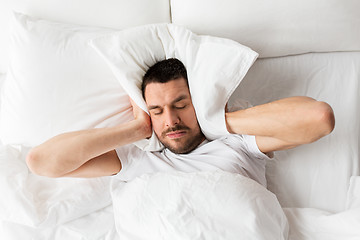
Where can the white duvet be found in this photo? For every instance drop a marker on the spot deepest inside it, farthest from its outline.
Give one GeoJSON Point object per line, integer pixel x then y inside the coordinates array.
{"type": "Point", "coordinates": [208, 205]}
{"type": "Point", "coordinates": [202, 205]}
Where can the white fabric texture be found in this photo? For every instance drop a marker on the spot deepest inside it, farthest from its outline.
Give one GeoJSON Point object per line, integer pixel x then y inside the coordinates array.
{"type": "Point", "coordinates": [353, 195]}
{"type": "Point", "coordinates": [42, 202]}
{"type": "Point", "coordinates": [316, 224]}
{"type": "Point", "coordinates": [4, 37]}
{"type": "Point", "coordinates": [215, 67]}
{"type": "Point", "coordinates": [2, 78]}
{"type": "Point", "coordinates": [275, 28]}
{"type": "Point", "coordinates": [57, 83]}
{"type": "Point", "coordinates": [232, 153]}
{"type": "Point", "coordinates": [203, 205]}
{"type": "Point", "coordinates": [98, 225]}
{"type": "Point", "coordinates": [116, 14]}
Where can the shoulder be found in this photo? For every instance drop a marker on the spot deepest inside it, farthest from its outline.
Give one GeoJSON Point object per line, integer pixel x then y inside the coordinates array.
{"type": "Point", "coordinates": [233, 139]}
{"type": "Point", "coordinates": [244, 143]}
{"type": "Point", "coordinates": [127, 152]}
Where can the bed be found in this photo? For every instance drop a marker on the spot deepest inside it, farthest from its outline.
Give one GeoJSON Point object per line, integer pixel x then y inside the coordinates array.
{"type": "Point", "coordinates": [52, 81]}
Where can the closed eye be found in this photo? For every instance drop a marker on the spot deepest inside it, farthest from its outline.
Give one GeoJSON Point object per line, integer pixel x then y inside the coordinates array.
{"type": "Point", "coordinates": [180, 107]}
{"type": "Point", "coordinates": [157, 112]}
{"type": "Point", "coordinates": [183, 103]}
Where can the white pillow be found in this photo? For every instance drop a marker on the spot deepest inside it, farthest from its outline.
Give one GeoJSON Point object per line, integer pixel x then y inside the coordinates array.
{"type": "Point", "coordinates": [116, 14]}
{"type": "Point", "coordinates": [57, 83]}
{"type": "Point", "coordinates": [203, 205]}
{"type": "Point", "coordinates": [215, 67]}
{"type": "Point", "coordinates": [275, 28]}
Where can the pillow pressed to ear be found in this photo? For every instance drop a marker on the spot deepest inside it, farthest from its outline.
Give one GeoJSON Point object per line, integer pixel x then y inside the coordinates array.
{"type": "Point", "coordinates": [215, 67]}
{"type": "Point", "coordinates": [56, 83]}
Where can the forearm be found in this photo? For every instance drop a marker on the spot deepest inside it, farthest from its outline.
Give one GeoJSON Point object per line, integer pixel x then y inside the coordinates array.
{"type": "Point", "coordinates": [296, 120]}
{"type": "Point", "coordinates": [66, 152]}
{"type": "Point", "coordinates": [106, 164]}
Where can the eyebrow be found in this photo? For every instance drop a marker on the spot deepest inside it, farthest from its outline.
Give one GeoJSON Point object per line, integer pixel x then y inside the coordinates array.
{"type": "Point", "coordinates": [178, 99]}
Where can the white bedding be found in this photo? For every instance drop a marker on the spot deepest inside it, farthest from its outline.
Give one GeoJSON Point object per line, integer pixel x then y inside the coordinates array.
{"type": "Point", "coordinates": [178, 211]}
{"type": "Point", "coordinates": [204, 205]}
{"type": "Point", "coordinates": [96, 226]}
{"type": "Point", "coordinates": [2, 78]}
{"type": "Point", "coordinates": [315, 224]}
{"type": "Point", "coordinates": [310, 182]}
{"type": "Point", "coordinates": [46, 208]}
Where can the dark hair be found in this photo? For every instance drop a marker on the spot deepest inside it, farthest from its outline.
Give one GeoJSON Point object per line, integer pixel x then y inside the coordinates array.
{"type": "Point", "coordinates": [163, 72]}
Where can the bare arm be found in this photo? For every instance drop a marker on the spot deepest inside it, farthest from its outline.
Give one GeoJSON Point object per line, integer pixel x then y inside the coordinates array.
{"type": "Point", "coordinates": [87, 153]}
{"type": "Point", "coordinates": [283, 124]}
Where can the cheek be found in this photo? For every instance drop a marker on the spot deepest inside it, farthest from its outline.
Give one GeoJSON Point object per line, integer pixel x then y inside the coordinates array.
{"type": "Point", "coordinates": [156, 125]}
{"type": "Point", "coordinates": [189, 118]}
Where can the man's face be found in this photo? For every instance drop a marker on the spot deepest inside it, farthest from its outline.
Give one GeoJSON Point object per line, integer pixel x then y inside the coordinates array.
{"type": "Point", "coordinates": [173, 116]}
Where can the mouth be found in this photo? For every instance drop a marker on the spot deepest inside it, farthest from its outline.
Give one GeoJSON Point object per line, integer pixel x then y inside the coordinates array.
{"type": "Point", "coordinates": [176, 134]}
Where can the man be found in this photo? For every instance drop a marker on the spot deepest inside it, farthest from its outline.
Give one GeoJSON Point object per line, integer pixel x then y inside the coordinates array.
{"type": "Point", "coordinates": [257, 131]}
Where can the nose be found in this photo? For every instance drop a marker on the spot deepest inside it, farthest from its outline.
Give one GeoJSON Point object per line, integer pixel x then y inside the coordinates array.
{"type": "Point", "coordinates": [171, 118]}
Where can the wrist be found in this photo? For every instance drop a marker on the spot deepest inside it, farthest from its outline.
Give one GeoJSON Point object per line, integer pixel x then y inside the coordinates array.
{"type": "Point", "coordinates": [228, 122]}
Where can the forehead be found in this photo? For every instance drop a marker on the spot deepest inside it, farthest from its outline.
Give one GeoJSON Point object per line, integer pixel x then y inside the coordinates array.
{"type": "Point", "coordinates": [166, 93]}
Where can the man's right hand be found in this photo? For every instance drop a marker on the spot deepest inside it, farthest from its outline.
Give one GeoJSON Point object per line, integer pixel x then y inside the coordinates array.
{"type": "Point", "coordinates": [144, 119]}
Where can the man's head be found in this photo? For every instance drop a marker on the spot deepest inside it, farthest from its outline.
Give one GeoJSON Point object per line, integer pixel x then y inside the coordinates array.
{"type": "Point", "coordinates": [166, 92]}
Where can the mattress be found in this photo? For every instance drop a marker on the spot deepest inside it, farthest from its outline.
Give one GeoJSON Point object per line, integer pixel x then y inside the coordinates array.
{"type": "Point", "coordinates": [311, 182]}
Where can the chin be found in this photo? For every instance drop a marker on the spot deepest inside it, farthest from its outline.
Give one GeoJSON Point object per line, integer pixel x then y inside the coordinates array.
{"type": "Point", "coordinates": [184, 146]}
{"type": "Point", "coordinates": [180, 150]}
{"type": "Point", "coordinates": [177, 148]}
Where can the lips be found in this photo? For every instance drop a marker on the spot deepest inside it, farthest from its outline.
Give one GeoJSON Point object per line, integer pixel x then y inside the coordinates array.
{"type": "Point", "coordinates": [176, 134]}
